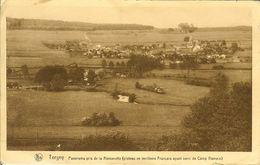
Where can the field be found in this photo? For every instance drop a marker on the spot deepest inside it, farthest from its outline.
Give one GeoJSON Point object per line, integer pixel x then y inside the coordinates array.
{"type": "Point", "coordinates": [144, 122]}
{"type": "Point", "coordinates": [25, 46]}
{"type": "Point", "coordinates": [39, 114]}
{"type": "Point", "coordinates": [238, 75]}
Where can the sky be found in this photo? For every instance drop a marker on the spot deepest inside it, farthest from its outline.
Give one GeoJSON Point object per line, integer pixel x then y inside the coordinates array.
{"type": "Point", "coordinates": [159, 14]}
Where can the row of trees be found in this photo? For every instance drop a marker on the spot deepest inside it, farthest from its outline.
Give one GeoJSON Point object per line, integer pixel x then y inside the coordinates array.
{"type": "Point", "coordinates": [38, 24]}
{"type": "Point", "coordinates": [112, 65]}
{"type": "Point", "coordinates": [136, 66]}
{"type": "Point", "coordinates": [54, 78]}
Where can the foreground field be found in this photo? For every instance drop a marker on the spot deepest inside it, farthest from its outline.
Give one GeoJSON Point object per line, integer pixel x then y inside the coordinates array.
{"type": "Point", "coordinates": [67, 108]}
{"type": "Point", "coordinates": [63, 111]}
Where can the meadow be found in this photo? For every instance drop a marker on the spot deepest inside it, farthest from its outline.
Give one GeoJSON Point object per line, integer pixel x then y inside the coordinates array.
{"type": "Point", "coordinates": [42, 114]}
{"type": "Point", "coordinates": [237, 75]}
{"type": "Point", "coordinates": [67, 108]}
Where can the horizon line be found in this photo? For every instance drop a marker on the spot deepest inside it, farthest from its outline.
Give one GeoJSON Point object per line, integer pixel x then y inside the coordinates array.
{"type": "Point", "coordinates": [67, 21]}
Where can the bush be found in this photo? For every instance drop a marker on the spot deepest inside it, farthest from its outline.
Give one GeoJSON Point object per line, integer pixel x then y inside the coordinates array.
{"type": "Point", "coordinates": [199, 82]}
{"type": "Point", "coordinates": [101, 119]}
{"type": "Point", "coordinates": [151, 88]}
{"type": "Point", "coordinates": [218, 67]}
{"type": "Point", "coordinates": [137, 85]}
{"type": "Point", "coordinates": [116, 141]}
{"type": "Point", "coordinates": [132, 98]}
{"type": "Point", "coordinates": [186, 39]}
{"type": "Point", "coordinates": [186, 141]}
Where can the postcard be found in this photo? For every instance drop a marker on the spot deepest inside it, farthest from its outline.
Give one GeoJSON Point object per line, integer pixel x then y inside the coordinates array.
{"type": "Point", "coordinates": [130, 82]}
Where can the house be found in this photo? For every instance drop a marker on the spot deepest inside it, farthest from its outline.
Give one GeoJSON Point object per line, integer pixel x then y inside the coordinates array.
{"type": "Point", "coordinates": [223, 56]}
{"type": "Point", "coordinates": [196, 48]}
{"type": "Point", "coordinates": [124, 99]}
{"type": "Point", "coordinates": [221, 60]}
{"type": "Point", "coordinates": [235, 59]}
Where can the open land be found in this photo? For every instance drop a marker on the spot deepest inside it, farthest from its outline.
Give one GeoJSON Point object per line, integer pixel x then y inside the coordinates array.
{"type": "Point", "coordinates": [40, 114]}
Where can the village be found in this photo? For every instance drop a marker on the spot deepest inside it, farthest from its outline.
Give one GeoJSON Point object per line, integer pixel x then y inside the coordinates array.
{"type": "Point", "coordinates": [205, 51]}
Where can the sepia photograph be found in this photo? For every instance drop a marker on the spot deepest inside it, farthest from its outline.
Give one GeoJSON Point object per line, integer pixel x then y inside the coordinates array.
{"type": "Point", "coordinates": [128, 76]}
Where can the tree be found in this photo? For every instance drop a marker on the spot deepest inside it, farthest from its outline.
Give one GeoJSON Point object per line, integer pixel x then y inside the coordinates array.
{"type": "Point", "coordinates": [189, 63]}
{"type": "Point", "coordinates": [76, 74]}
{"type": "Point", "coordinates": [234, 47]}
{"type": "Point", "coordinates": [220, 85]}
{"type": "Point", "coordinates": [118, 64]}
{"type": "Point", "coordinates": [122, 64]}
{"type": "Point", "coordinates": [111, 64]}
{"type": "Point", "coordinates": [25, 71]}
{"type": "Point", "coordinates": [57, 83]}
{"type": "Point", "coordinates": [221, 121]}
{"type": "Point", "coordinates": [46, 74]}
{"type": "Point", "coordinates": [187, 28]}
{"type": "Point", "coordinates": [91, 76]}
{"type": "Point", "coordinates": [9, 71]}
{"type": "Point", "coordinates": [139, 64]}
{"type": "Point", "coordinates": [104, 63]}
{"type": "Point", "coordinates": [164, 45]}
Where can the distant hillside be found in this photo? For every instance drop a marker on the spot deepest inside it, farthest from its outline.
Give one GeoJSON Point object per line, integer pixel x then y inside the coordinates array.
{"type": "Point", "coordinates": [234, 28]}
{"type": "Point", "coordinates": [38, 24]}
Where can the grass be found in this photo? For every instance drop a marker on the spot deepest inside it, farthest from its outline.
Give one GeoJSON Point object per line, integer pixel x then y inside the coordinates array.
{"type": "Point", "coordinates": [177, 93]}
{"type": "Point", "coordinates": [67, 108]}
{"type": "Point", "coordinates": [239, 65]}
{"type": "Point", "coordinates": [42, 114]}
{"type": "Point", "coordinates": [233, 75]}
{"type": "Point", "coordinates": [39, 114]}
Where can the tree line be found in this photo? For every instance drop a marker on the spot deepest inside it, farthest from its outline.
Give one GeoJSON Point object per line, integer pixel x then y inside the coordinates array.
{"type": "Point", "coordinates": [39, 24]}
{"type": "Point", "coordinates": [136, 66]}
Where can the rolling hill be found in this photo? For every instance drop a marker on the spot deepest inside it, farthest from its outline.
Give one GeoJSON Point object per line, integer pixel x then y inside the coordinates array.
{"type": "Point", "coordinates": [40, 24]}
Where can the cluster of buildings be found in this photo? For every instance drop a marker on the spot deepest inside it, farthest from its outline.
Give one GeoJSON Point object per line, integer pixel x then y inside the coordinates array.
{"type": "Point", "coordinates": [205, 51]}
